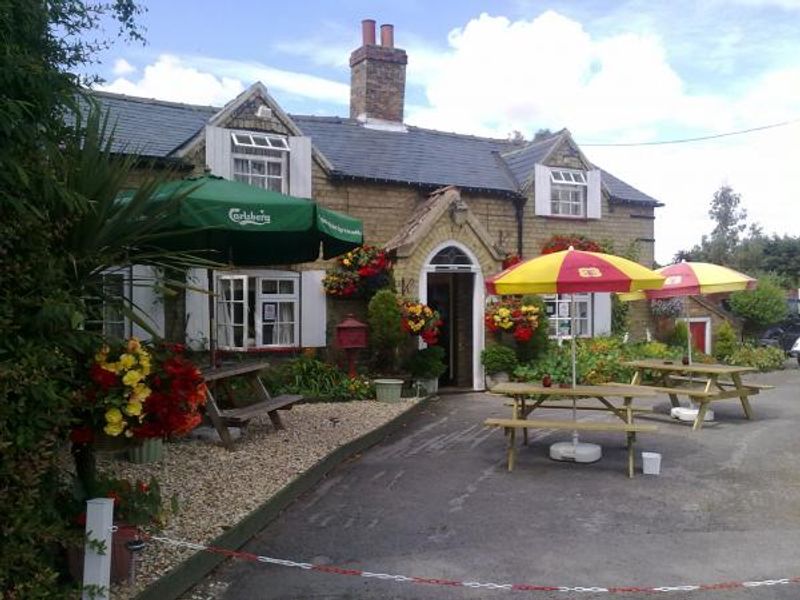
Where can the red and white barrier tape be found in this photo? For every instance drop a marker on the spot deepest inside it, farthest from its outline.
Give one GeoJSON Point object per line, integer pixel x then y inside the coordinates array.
{"type": "Point", "coordinates": [513, 587]}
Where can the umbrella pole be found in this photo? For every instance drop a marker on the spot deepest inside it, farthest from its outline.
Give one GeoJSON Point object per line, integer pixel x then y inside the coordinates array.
{"type": "Point", "coordinates": [574, 368]}
{"type": "Point", "coordinates": [212, 334]}
{"type": "Point", "coordinates": [688, 328]}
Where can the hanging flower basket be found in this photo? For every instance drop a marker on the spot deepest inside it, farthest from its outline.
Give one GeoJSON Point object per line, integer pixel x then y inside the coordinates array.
{"type": "Point", "coordinates": [359, 273]}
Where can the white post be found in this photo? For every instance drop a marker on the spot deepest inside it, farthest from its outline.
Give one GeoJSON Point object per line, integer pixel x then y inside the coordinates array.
{"type": "Point", "coordinates": [96, 566]}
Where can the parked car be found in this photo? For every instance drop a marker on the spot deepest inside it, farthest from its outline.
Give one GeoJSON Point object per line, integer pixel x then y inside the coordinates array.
{"type": "Point", "coordinates": [783, 336]}
{"type": "Point", "coordinates": [794, 351]}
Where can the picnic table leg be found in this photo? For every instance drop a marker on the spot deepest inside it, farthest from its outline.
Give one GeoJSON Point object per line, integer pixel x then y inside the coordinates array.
{"type": "Point", "coordinates": [701, 415]}
{"type": "Point", "coordinates": [737, 381]}
{"type": "Point", "coordinates": [263, 394]}
{"type": "Point", "coordinates": [216, 419]}
{"type": "Point", "coordinates": [631, 458]}
{"type": "Point", "coordinates": [511, 449]}
{"type": "Point", "coordinates": [637, 377]}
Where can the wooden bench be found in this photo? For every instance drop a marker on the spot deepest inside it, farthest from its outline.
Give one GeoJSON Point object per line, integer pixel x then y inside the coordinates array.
{"type": "Point", "coordinates": [511, 425]}
{"type": "Point", "coordinates": [240, 417]}
{"type": "Point", "coordinates": [566, 406]}
{"type": "Point", "coordinates": [746, 384]}
{"type": "Point", "coordinates": [694, 392]}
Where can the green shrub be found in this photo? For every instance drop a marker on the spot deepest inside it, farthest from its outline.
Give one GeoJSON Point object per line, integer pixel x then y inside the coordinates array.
{"type": "Point", "coordinates": [427, 363]}
{"type": "Point", "coordinates": [761, 358]}
{"type": "Point", "coordinates": [725, 341]}
{"type": "Point", "coordinates": [497, 358]}
{"type": "Point", "coordinates": [385, 329]}
{"type": "Point", "coordinates": [557, 363]}
{"type": "Point", "coordinates": [680, 335]}
{"type": "Point", "coordinates": [656, 350]}
{"type": "Point", "coordinates": [319, 381]}
{"type": "Point", "coordinates": [760, 307]}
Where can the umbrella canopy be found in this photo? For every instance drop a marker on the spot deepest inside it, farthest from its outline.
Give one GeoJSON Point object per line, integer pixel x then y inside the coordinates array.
{"type": "Point", "coordinates": [574, 271]}
{"type": "Point", "coordinates": [694, 279]}
{"type": "Point", "coordinates": [252, 226]}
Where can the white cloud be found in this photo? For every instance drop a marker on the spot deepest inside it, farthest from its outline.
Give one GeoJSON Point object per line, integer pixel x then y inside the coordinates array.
{"type": "Point", "coordinates": [169, 78]}
{"type": "Point", "coordinates": [122, 67]}
{"type": "Point", "coordinates": [201, 80]}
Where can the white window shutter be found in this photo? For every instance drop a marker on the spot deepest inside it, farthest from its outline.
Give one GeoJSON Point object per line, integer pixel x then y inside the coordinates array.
{"type": "Point", "coordinates": [197, 324]}
{"type": "Point", "coordinates": [300, 167]}
{"type": "Point", "coordinates": [313, 310]}
{"type": "Point", "coordinates": [602, 313]}
{"type": "Point", "coordinates": [594, 198]}
{"type": "Point", "coordinates": [218, 151]}
{"type": "Point", "coordinates": [541, 190]}
{"type": "Point", "coordinates": [147, 300]}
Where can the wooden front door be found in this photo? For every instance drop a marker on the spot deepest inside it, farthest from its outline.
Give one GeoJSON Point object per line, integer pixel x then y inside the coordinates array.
{"type": "Point", "coordinates": [698, 329]}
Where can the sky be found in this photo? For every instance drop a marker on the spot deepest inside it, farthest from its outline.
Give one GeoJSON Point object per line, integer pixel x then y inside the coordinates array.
{"type": "Point", "coordinates": [612, 72]}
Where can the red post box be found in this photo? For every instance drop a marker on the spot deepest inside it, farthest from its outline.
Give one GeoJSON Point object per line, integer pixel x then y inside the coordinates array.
{"type": "Point", "coordinates": [351, 335]}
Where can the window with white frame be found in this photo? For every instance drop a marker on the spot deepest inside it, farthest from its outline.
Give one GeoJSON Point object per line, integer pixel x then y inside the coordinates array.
{"type": "Point", "coordinates": [559, 314]}
{"type": "Point", "coordinates": [107, 307]}
{"type": "Point", "coordinates": [260, 160]}
{"type": "Point", "coordinates": [258, 310]}
{"type": "Point", "coordinates": [568, 193]}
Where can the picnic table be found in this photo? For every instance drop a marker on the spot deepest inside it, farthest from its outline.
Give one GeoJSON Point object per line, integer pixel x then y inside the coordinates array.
{"type": "Point", "coordinates": [220, 378]}
{"type": "Point", "coordinates": [526, 398]}
{"type": "Point", "coordinates": [702, 383]}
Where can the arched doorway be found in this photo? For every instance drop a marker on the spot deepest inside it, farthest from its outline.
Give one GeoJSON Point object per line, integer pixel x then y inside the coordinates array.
{"type": "Point", "coordinates": [452, 282]}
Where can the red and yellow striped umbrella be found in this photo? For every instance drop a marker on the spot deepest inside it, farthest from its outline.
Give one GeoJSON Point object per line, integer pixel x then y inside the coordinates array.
{"type": "Point", "coordinates": [696, 278]}
{"type": "Point", "coordinates": [574, 271]}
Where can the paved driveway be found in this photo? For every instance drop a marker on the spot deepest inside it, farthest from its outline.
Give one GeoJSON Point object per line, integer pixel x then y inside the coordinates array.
{"type": "Point", "coordinates": [436, 501]}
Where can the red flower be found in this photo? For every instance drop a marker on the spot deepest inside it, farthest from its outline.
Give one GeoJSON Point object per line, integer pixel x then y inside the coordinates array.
{"type": "Point", "coordinates": [115, 497]}
{"type": "Point", "coordinates": [143, 487]}
{"type": "Point", "coordinates": [430, 336]}
{"type": "Point", "coordinates": [511, 260]}
{"type": "Point", "coordinates": [523, 333]}
{"type": "Point", "coordinates": [105, 379]}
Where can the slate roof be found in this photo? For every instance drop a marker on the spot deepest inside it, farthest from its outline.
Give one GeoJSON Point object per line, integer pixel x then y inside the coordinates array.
{"type": "Point", "coordinates": [520, 161]}
{"type": "Point", "coordinates": [416, 156]}
{"type": "Point", "coordinates": [619, 190]}
{"type": "Point", "coordinates": [152, 127]}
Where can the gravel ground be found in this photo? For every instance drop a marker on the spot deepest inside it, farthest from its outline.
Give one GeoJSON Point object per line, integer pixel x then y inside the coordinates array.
{"type": "Point", "coordinates": [216, 488]}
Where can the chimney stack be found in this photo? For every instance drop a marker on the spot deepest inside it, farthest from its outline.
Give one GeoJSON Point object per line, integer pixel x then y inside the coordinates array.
{"type": "Point", "coordinates": [377, 76]}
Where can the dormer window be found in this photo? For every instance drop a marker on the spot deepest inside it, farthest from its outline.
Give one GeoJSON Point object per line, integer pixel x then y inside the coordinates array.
{"type": "Point", "coordinates": [260, 160]}
{"type": "Point", "coordinates": [568, 193]}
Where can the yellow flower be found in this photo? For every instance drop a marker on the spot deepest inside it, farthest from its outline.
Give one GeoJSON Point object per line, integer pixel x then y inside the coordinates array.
{"type": "Point", "coordinates": [133, 409]}
{"type": "Point", "coordinates": [140, 393]}
{"type": "Point", "coordinates": [127, 361]}
{"type": "Point", "coordinates": [113, 416]}
{"type": "Point", "coordinates": [504, 312]}
{"type": "Point", "coordinates": [134, 345]}
{"type": "Point", "coordinates": [346, 262]}
{"type": "Point", "coordinates": [112, 367]}
{"type": "Point", "coordinates": [114, 429]}
{"type": "Point", "coordinates": [133, 377]}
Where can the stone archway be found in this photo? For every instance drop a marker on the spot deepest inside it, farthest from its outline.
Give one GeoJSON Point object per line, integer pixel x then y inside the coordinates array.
{"type": "Point", "coordinates": [451, 279]}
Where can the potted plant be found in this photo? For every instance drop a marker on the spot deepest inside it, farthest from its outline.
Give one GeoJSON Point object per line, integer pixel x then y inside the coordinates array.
{"type": "Point", "coordinates": [135, 504]}
{"type": "Point", "coordinates": [498, 361]}
{"type": "Point", "coordinates": [426, 366]}
{"type": "Point", "coordinates": [385, 336]}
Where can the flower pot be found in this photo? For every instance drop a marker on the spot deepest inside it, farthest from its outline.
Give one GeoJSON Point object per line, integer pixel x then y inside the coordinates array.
{"type": "Point", "coordinates": [428, 387]}
{"type": "Point", "coordinates": [388, 390]}
{"type": "Point", "coordinates": [111, 444]}
{"type": "Point", "coordinates": [149, 450]}
{"type": "Point", "coordinates": [495, 378]}
{"type": "Point", "coordinates": [121, 556]}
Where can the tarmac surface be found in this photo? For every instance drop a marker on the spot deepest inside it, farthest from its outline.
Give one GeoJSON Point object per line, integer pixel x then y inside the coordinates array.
{"type": "Point", "coordinates": [435, 500]}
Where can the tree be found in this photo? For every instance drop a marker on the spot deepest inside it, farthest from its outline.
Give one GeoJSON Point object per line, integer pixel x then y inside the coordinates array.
{"type": "Point", "coordinates": [45, 45]}
{"type": "Point", "coordinates": [730, 221]}
{"type": "Point", "coordinates": [761, 307]}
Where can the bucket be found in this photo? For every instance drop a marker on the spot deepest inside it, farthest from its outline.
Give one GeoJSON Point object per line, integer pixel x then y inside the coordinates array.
{"type": "Point", "coordinates": [651, 463]}
{"type": "Point", "coordinates": [388, 390]}
{"type": "Point", "coordinates": [149, 450]}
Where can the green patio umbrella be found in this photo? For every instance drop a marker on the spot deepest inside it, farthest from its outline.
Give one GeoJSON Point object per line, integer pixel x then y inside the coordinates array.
{"type": "Point", "coordinates": [248, 226]}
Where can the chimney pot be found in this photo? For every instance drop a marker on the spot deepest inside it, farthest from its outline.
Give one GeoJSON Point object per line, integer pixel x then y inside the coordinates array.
{"type": "Point", "coordinates": [368, 32]}
{"type": "Point", "coordinates": [387, 36]}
